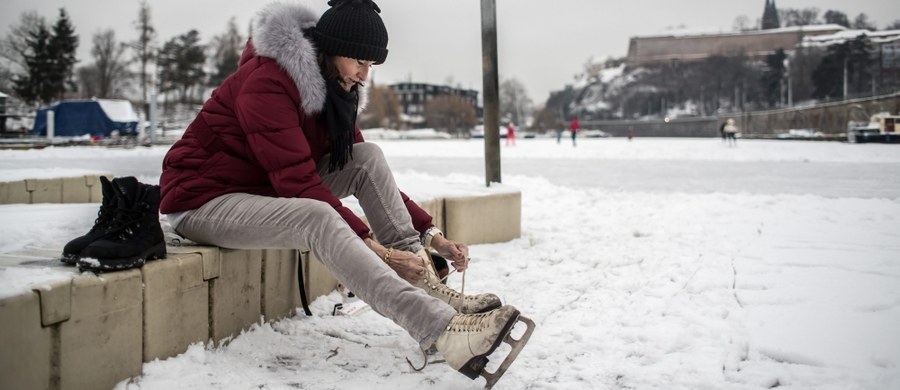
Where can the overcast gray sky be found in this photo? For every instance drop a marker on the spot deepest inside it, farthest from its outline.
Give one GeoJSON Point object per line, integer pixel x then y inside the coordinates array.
{"type": "Point", "coordinates": [543, 43]}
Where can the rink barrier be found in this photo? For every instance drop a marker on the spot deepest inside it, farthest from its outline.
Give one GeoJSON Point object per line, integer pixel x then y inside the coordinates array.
{"type": "Point", "coordinates": [92, 331]}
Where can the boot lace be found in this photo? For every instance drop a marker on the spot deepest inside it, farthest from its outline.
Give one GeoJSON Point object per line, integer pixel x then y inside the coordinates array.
{"type": "Point", "coordinates": [104, 220]}
{"type": "Point", "coordinates": [127, 218]}
{"type": "Point", "coordinates": [469, 322]}
{"type": "Point", "coordinates": [445, 290]}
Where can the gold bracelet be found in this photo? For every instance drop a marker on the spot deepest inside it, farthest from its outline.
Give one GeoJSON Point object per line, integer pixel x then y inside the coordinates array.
{"type": "Point", "coordinates": [387, 255]}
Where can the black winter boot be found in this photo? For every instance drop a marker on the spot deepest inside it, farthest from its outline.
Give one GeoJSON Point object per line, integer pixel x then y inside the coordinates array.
{"type": "Point", "coordinates": [135, 235]}
{"type": "Point", "coordinates": [72, 250]}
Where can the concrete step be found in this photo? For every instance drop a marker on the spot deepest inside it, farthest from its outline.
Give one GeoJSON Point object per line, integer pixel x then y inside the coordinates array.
{"type": "Point", "coordinates": [74, 330]}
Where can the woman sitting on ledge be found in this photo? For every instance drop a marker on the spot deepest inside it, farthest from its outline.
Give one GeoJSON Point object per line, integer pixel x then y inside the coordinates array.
{"type": "Point", "coordinates": [274, 149]}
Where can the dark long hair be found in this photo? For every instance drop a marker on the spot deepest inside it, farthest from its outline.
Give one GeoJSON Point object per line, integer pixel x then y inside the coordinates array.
{"type": "Point", "coordinates": [340, 114]}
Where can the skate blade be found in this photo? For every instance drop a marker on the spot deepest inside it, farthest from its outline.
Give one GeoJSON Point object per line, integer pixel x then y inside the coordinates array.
{"type": "Point", "coordinates": [517, 345]}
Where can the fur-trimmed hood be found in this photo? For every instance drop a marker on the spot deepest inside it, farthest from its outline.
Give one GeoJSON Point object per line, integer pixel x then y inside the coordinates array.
{"type": "Point", "coordinates": [278, 34]}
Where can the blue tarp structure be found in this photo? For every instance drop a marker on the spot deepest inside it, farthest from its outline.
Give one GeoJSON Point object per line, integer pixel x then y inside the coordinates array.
{"type": "Point", "coordinates": [74, 118]}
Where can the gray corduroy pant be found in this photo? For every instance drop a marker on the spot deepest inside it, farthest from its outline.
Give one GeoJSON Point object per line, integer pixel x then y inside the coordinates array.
{"type": "Point", "coordinates": [244, 221]}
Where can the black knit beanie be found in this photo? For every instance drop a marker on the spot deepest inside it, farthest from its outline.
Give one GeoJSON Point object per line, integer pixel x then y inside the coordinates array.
{"type": "Point", "coordinates": [352, 28]}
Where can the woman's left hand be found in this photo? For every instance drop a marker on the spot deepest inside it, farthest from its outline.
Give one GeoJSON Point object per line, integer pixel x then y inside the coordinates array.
{"type": "Point", "coordinates": [456, 252]}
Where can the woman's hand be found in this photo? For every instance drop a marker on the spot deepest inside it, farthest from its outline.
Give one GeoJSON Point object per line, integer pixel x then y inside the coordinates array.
{"type": "Point", "coordinates": [456, 252]}
{"type": "Point", "coordinates": [409, 266]}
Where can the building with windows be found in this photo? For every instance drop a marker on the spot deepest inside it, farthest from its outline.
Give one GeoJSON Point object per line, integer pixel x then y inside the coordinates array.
{"type": "Point", "coordinates": [650, 50]}
{"type": "Point", "coordinates": [413, 97]}
{"type": "Point", "coordinates": [753, 44]}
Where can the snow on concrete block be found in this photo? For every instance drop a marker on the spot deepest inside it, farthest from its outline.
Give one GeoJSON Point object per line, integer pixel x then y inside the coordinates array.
{"type": "Point", "coordinates": [100, 344]}
{"type": "Point", "coordinates": [280, 291]}
{"type": "Point", "coordinates": [25, 358]}
{"type": "Point", "coordinates": [176, 305]}
{"type": "Point", "coordinates": [12, 192]}
{"type": "Point", "coordinates": [235, 295]}
{"type": "Point", "coordinates": [484, 219]}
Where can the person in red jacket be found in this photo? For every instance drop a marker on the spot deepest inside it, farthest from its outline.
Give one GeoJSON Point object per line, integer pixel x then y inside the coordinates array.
{"type": "Point", "coordinates": [574, 128]}
{"type": "Point", "coordinates": [276, 146]}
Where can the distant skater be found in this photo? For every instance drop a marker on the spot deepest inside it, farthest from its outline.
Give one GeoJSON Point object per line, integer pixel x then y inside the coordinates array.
{"type": "Point", "coordinates": [574, 128]}
{"type": "Point", "coordinates": [730, 131]}
{"type": "Point", "coordinates": [511, 134]}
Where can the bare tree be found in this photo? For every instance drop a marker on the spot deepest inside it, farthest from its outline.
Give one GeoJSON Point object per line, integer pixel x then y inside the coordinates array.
{"type": "Point", "coordinates": [837, 17]}
{"type": "Point", "coordinates": [111, 68]}
{"type": "Point", "coordinates": [547, 118]}
{"type": "Point", "coordinates": [14, 47]}
{"type": "Point", "coordinates": [861, 22]}
{"type": "Point", "coordinates": [742, 23]}
{"type": "Point", "coordinates": [144, 48]}
{"type": "Point", "coordinates": [450, 113]}
{"type": "Point", "coordinates": [88, 81]}
{"type": "Point", "coordinates": [383, 109]}
{"type": "Point", "coordinates": [226, 52]}
{"type": "Point", "coordinates": [515, 105]}
{"type": "Point", "coordinates": [799, 17]}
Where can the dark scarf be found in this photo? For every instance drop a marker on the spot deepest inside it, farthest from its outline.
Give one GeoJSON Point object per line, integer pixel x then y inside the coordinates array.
{"type": "Point", "coordinates": [340, 118]}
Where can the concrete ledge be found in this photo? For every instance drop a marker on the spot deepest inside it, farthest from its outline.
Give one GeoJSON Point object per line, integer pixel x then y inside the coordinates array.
{"type": "Point", "coordinates": [78, 189]}
{"type": "Point", "coordinates": [280, 290]}
{"type": "Point", "coordinates": [25, 355]}
{"type": "Point", "coordinates": [101, 343]}
{"type": "Point", "coordinates": [176, 302]}
{"type": "Point", "coordinates": [234, 297]}
{"type": "Point", "coordinates": [484, 219]}
{"type": "Point", "coordinates": [318, 281]}
{"type": "Point", "coordinates": [14, 192]}
{"type": "Point", "coordinates": [44, 190]}
{"type": "Point", "coordinates": [56, 301]}
{"type": "Point", "coordinates": [435, 208]}
{"type": "Point", "coordinates": [209, 258]}
{"type": "Point", "coordinates": [88, 331]}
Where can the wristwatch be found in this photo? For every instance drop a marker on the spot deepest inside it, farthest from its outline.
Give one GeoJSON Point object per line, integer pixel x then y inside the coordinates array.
{"type": "Point", "coordinates": [429, 235]}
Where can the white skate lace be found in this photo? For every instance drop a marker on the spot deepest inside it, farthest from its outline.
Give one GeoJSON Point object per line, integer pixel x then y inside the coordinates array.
{"type": "Point", "coordinates": [451, 292]}
{"type": "Point", "coordinates": [443, 289]}
{"type": "Point", "coordinates": [468, 322]}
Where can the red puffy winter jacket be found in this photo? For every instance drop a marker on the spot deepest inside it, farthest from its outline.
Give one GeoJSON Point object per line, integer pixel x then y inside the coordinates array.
{"type": "Point", "coordinates": [260, 132]}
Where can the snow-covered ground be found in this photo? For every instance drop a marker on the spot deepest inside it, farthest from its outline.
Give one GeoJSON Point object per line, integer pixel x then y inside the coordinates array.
{"type": "Point", "coordinates": [657, 263]}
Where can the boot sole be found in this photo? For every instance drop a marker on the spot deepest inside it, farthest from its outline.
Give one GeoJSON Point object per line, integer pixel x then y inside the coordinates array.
{"type": "Point", "coordinates": [69, 258]}
{"type": "Point", "coordinates": [155, 252]}
{"type": "Point", "coordinates": [473, 368]}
